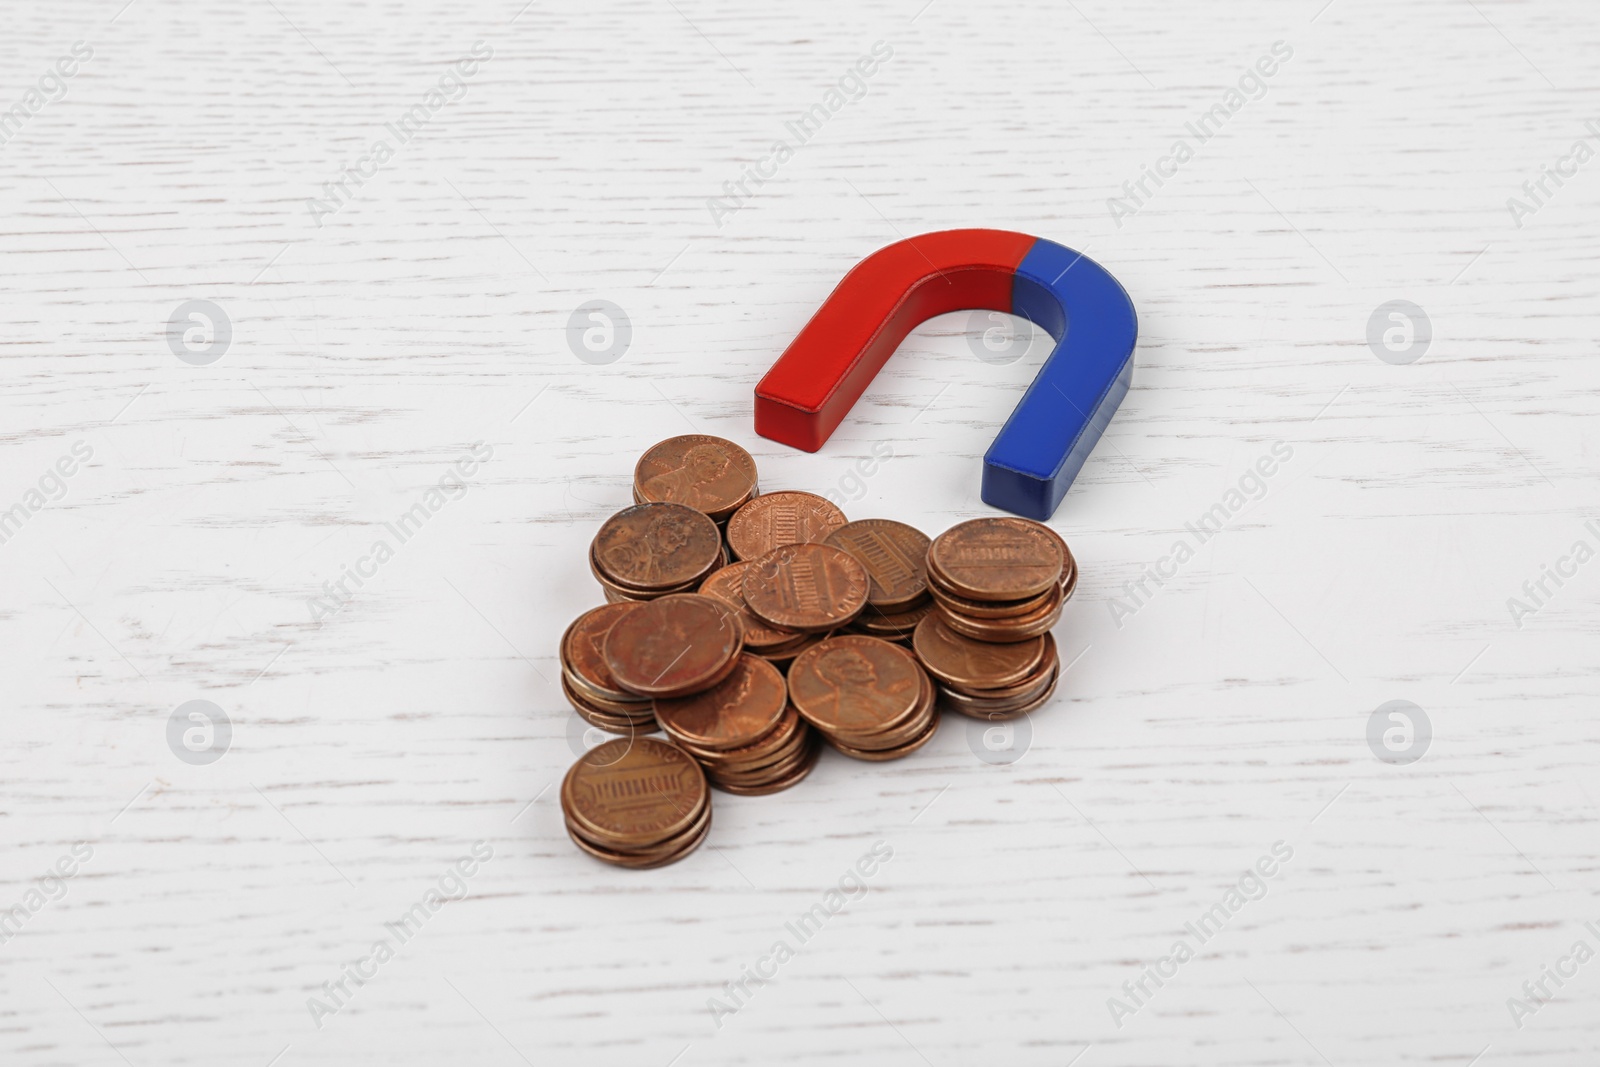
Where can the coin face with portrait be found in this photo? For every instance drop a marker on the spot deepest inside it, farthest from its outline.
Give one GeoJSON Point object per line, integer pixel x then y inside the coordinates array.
{"type": "Point", "coordinates": [855, 684]}
{"type": "Point", "coordinates": [650, 545]}
{"type": "Point", "coordinates": [706, 473]}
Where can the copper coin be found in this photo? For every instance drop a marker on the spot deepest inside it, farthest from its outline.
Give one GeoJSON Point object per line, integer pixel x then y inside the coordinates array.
{"type": "Point", "coordinates": [672, 852]}
{"type": "Point", "coordinates": [986, 609]}
{"type": "Point", "coordinates": [606, 719]}
{"type": "Point", "coordinates": [962, 661]}
{"type": "Point", "coordinates": [790, 728]}
{"type": "Point", "coordinates": [895, 622]}
{"type": "Point", "coordinates": [794, 777]}
{"type": "Point", "coordinates": [706, 473]}
{"type": "Point", "coordinates": [673, 646]}
{"type": "Point", "coordinates": [727, 585]}
{"type": "Point", "coordinates": [883, 755]}
{"type": "Point", "coordinates": [664, 846]}
{"type": "Point", "coordinates": [809, 587]}
{"type": "Point", "coordinates": [1008, 709]}
{"type": "Point", "coordinates": [1004, 631]}
{"type": "Point", "coordinates": [895, 556]}
{"type": "Point", "coordinates": [856, 684]}
{"type": "Point", "coordinates": [778, 519]}
{"type": "Point", "coordinates": [901, 733]}
{"type": "Point", "coordinates": [787, 653]}
{"type": "Point", "coordinates": [634, 792]}
{"type": "Point", "coordinates": [1028, 686]}
{"type": "Point", "coordinates": [648, 546]}
{"type": "Point", "coordinates": [582, 648]}
{"type": "Point", "coordinates": [998, 559]}
{"type": "Point", "coordinates": [739, 710]}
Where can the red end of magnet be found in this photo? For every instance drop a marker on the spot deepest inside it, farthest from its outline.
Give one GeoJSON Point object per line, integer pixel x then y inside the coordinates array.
{"type": "Point", "coordinates": [819, 377]}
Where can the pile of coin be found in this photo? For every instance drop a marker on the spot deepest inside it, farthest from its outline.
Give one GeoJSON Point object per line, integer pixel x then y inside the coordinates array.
{"type": "Point", "coordinates": [636, 802]}
{"type": "Point", "coordinates": [743, 731]}
{"type": "Point", "coordinates": [754, 629]}
{"type": "Point", "coordinates": [867, 697]}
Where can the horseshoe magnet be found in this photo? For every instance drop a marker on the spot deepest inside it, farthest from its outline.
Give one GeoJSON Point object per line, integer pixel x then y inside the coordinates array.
{"type": "Point", "coordinates": [1043, 445]}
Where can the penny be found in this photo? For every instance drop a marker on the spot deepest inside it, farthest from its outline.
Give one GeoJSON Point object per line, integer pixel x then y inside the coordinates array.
{"type": "Point", "coordinates": [633, 792]}
{"type": "Point", "coordinates": [986, 609]}
{"type": "Point", "coordinates": [1027, 687]}
{"type": "Point", "coordinates": [806, 587]}
{"type": "Point", "coordinates": [651, 546]}
{"type": "Point", "coordinates": [883, 755]}
{"type": "Point", "coordinates": [895, 556]}
{"type": "Point", "coordinates": [706, 473]}
{"type": "Point", "coordinates": [582, 648]}
{"type": "Point", "coordinates": [997, 711]}
{"type": "Point", "coordinates": [901, 733]}
{"type": "Point", "coordinates": [962, 661]}
{"type": "Point", "coordinates": [856, 684]}
{"type": "Point", "coordinates": [739, 710]}
{"type": "Point", "coordinates": [674, 850]}
{"type": "Point", "coordinates": [605, 718]}
{"type": "Point", "coordinates": [787, 653]}
{"type": "Point", "coordinates": [674, 646]}
{"type": "Point", "coordinates": [1005, 631]}
{"type": "Point", "coordinates": [795, 776]}
{"type": "Point", "coordinates": [727, 585]}
{"type": "Point", "coordinates": [997, 558]}
{"type": "Point", "coordinates": [893, 624]}
{"type": "Point", "coordinates": [777, 519]}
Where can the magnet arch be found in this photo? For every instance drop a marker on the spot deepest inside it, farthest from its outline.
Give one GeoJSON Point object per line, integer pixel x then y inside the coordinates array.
{"type": "Point", "coordinates": [1042, 446]}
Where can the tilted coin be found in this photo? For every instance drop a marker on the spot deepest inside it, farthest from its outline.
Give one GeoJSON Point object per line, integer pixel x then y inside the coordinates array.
{"type": "Point", "coordinates": [674, 646]}
{"type": "Point", "coordinates": [962, 661]}
{"type": "Point", "coordinates": [777, 519]}
{"type": "Point", "coordinates": [648, 546]}
{"type": "Point", "coordinates": [998, 558]}
{"type": "Point", "coordinates": [739, 710]}
{"type": "Point", "coordinates": [727, 585]}
{"type": "Point", "coordinates": [856, 684]}
{"type": "Point", "coordinates": [895, 556]}
{"type": "Point", "coordinates": [634, 792]}
{"type": "Point", "coordinates": [807, 587]}
{"type": "Point", "coordinates": [706, 473]}
{"type": "Point", "coordinates": [582, 648]}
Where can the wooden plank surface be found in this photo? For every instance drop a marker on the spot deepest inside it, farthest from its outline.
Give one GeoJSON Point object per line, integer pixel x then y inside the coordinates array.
{"type": "Point", "coordinates": [381, 330]}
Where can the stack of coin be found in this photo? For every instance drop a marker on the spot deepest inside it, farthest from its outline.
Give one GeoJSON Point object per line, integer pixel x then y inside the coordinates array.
{"type": "Point", "coordinates": [636, 802]}
{"type": "Point", "coordinates": [742, 731]}
{"type": "Point", "coordinates": [999, 580]}
{"type": "Point", "coordinates": [778, 519]}
{"type": "Point", "coordinates": [867, 697]}
{"type": "Point", "coordinates": [984, 679]}
{"type": "Point", "coordinates": [895, 556]}
{"type": "Point", "coordinates": [655, 549]}
{"type": "Point", "coordinates": [587, 681]}
{"type": "Point", "coordinates": [706, 473]}
{"type": "Point", "coordinates": [673, 646]}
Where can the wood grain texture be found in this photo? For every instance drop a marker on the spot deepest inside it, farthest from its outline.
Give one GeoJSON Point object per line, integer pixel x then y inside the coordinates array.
{"type": "Point", "coordinates": [371, 351]}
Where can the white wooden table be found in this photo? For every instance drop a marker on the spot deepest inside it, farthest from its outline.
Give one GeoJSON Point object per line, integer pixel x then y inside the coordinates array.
{"type": "Point", "coordinates": [375, 332]}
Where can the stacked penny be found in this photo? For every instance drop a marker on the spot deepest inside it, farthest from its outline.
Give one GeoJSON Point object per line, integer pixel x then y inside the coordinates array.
{"type": "Point", "coordinates": [867, 697]}
{"type": "Point", "coordinates": [995, 582]}
{"type": "Point", "coordinates": [588, 683]}
{"type": "Point", "coordinates": [778, 519]}
{"type": "Point", "coordinates": [895, 557]}
{"type": "Point", "coordinates": [772, 643]}
{"type": "Point", "coordinates": [706, 473]}
{"type": "Point", "coordinates": [743, 731]}
{"type": "Point", "coordinates": [985, 679]}
{"type": "Point", "coordinates": [636, 802]}
{"type": "Point", "coordinates": [655, 549]}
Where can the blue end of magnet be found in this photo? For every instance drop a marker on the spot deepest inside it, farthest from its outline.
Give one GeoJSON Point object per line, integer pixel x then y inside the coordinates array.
{"type": "Point", "coordinates": [1043, 445]}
